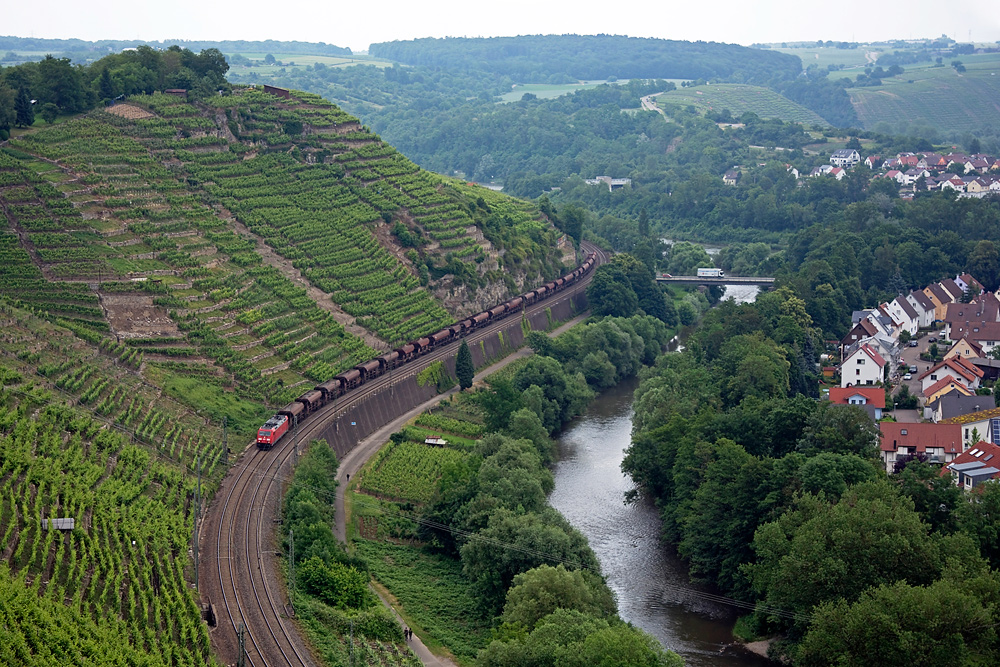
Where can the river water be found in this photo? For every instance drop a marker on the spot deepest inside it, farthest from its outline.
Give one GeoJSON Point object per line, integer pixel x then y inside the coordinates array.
{"type": "Point", "coordinates": [650, 581]}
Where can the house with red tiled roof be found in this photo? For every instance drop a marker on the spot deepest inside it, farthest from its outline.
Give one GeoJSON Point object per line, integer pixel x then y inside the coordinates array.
{"type": "Point", "coordinates": [956, 367]}
{"type": "Point", "coordinates": [965, 348]}
{"type": "Point", "coordinates": [980, 463]}
{"type": "Point", "coordinates": [946, 386]}
{"type": "Point", "coordinates": [941, 443]}
{"type": "Point", "coordinates": [863, 366]}
{"type": "Point", "coordinates": [872, 398]}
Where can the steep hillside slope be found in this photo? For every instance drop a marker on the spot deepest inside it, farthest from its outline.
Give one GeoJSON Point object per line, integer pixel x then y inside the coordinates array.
{"type": "Point", "coordinates": [259, 241]}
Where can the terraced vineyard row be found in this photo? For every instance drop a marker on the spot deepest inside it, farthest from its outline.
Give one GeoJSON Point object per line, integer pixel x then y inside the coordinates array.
{"type": "Point", "coordinates": [130, 217]}
{"type": "Point", "coordinates": [112, 590]}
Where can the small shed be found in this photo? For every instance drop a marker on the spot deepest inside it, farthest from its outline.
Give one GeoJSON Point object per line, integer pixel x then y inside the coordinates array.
{"type": "Point", "coordinates": [178, 92]}
{"type": "Point", "coordinates": [437, 442]}
{"type": "Point", "coordinates": [58, 524]}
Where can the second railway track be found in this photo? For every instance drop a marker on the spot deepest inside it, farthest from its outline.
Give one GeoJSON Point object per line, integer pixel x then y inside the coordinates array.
{"type": "Point", "coordinates": [239, 535]}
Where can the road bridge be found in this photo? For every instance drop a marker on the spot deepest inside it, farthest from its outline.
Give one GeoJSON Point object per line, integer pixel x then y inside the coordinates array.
{"type": "Point", "coordinates": [760, 281]}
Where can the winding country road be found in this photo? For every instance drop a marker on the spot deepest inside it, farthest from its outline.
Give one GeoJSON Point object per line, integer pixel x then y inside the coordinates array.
{"type": "Point", "coordinates": [239, 547]}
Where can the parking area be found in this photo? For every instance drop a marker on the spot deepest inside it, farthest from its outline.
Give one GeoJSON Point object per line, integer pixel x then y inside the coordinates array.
{"type": "Point", "coordinates": [910, 357]}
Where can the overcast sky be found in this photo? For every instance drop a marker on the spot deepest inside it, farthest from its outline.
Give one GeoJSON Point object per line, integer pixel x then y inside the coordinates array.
{"type": "Point", "coordinates": [358, 24]}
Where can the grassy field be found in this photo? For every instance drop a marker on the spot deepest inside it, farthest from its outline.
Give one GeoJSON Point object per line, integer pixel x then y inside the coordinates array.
{"type": "Point", "coordinates": [301, 60]}
{"type": "Point", "coordinates": [740, 98]}
{"type": "Point", "coordinates": [824, 56]}
{"type": "Point", "coordinates": [547, 91]}
{"type": "Point", "coordinates": [940, 96]}
{"type": "Point", "coordinates": [434, 595]}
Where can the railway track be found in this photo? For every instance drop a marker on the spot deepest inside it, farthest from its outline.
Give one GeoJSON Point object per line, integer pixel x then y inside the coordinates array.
{"type": "Point", "coordinates": [239, 544]}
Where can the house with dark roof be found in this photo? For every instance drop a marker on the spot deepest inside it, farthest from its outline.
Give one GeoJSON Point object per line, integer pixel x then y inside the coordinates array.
{"type": "Point", "coordinates": [965, 348]}
{"type": "Point", "coordinates": [923, 306]}
{"type": "Point", "coordinates": [952, 288]}
{"type": "Point", "coordinates": [939, 297]}
{"type": "Point", "coordinates": [731, 177]}
{"type": "Point", "coordinates": [863, 366]}
{"type": "Point", "coordinates": [904, 314]}
{"type": "Point", "coordinates": [940, 443]}
{"type": "Point", "coordinates": [980, 463]}
{"type": "Point", "coordinates": [862, 330]}
{"type": "Point", "coordinates": [990, 368]}
{"type": "Point", "coordinates": [845, 158]}
{"type": "Point", "coordinates": [954, 405]}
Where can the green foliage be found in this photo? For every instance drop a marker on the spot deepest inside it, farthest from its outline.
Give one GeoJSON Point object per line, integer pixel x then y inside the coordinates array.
{"type": "Point", "coordinates": [464, 368]}
{"type": "Point", "coordinates": [408, 470]}
{"type": "Point", "coordinates": [438, 375]}
{"type": "Point", "coordinates": [538, 592]}
{"type": "Point", "coordinates": [335, 584]}
{"type": "Point", "coordinates": [947, 622]}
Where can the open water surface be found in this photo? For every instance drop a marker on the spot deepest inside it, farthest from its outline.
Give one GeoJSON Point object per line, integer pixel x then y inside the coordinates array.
{"type": "Point", "coordinates": [650, 581]}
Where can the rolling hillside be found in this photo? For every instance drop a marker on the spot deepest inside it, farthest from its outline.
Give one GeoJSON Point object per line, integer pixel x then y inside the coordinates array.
{"type": "Point", "coordinates": [271, 242]}
{"type": "Point", "coordinates": [942, 97]}
{"type": "Point", "coordinates": [170, 270]}
{"type": "Point", "coordinates": [739, 99]}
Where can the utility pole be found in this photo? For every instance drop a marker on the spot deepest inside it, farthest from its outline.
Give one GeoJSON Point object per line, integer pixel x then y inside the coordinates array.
{"type": "Point", "coordinates": [291, 563]}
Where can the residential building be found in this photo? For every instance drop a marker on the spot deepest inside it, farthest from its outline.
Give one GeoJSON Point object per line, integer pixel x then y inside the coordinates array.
{"type": "Point", "coordinates": [975, 465]}
{"type": "Point", "coordinates": [870, 398]}
{"type": "Point", "coordinates": [961, 370]}
{"type": "Point", "coordinates": [923, 306]}
{"type": "Point", "coordinates": [939, 297]}
{"type": "Point", "coordinates": [965, 348]}
{"type": "Point", "coordinates": [955, 404]}
{"type": "Point", "coordinates": [940, 442]}
{"type": "Point", "coordinates": [905, 314]}
{"type": "Point", "coordinates": [863, 366]}
{"type": "Point", "coordinates": [946, 386]}
{"type": "Point", "coordinates": [731, 177]}
{"type": "Point", "coordinates": [981, 425]}
{"type": "Point", "coordinates": [845, 158]}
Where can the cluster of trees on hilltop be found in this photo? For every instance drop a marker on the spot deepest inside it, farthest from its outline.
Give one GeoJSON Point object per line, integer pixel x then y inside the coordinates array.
{"type": "Point", "coordinates": [781, 501]}
{"type": "Point", "coordinates": [58, 86]}
{"type": "Point", "coordinates": [81, 51]}
{"type": "Point", "coordinates": [560, 58]}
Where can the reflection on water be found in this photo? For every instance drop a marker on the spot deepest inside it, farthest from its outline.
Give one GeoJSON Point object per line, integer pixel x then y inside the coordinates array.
{"type": "Point", "coordinates": [650, 582]}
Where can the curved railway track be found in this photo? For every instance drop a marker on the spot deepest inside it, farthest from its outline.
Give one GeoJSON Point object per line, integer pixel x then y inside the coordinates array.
{"type": "Point", "coordinates": [239, 541]}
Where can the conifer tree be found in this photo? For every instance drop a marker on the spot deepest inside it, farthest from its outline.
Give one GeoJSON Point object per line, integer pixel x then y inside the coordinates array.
{"type": "Point", "coordinates": [464, 368]}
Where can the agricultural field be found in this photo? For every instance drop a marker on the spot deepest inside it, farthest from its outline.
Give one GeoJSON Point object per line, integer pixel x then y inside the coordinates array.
{"type": "Point", "coordinates": [264, 245]}
{"type": "Point", "coordinates": [407, 471]}
{"type": "Point", "coordinates": [435, 597]}
{"type": "Point", "coordinates": [938, 96]}
{"type": "Point", "coordinates": [546, 91]}
{"type": "Point", "coordinates": [740, 98]}
{"type": "Point", "coordinates": [824, 56]}
{"type": "Point", "coordinates": [114, 586]}
{"type": "Point", "coordinates": [103, 236]}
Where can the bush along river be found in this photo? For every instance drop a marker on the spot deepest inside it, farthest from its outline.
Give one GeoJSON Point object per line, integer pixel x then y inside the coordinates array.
{"type": "Point", "coordinates": [651, 582]}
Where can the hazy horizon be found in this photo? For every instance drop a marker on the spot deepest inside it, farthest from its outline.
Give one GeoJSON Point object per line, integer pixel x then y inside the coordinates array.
{"type": "Point", "coordinates": [767, 21]}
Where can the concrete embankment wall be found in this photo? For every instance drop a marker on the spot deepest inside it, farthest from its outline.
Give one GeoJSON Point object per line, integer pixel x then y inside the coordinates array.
{"type": "Point", "coordinates": [357, 418]}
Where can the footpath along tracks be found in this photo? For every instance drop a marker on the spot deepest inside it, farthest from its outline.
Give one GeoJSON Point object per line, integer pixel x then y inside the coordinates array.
{"type": "Point", "coordinates": [239, 545]}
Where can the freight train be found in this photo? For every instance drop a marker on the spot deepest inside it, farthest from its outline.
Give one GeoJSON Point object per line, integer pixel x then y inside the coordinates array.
{"type": "Point", "coordinates": [292, 414]}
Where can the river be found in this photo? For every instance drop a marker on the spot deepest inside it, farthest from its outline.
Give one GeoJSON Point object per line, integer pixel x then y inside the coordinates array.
{"type": "Point", "coordinates": [650, 581]}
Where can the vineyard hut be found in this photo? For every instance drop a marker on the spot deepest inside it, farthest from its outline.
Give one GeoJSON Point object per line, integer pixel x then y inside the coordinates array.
{"type": "Point", "coordinates": [58, 524]}
{"type": "Point", "coordinates": [437, 442]}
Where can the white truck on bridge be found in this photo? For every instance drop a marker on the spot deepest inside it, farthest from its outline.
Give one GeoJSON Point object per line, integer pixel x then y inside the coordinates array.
{"type": "Point", "coordinates": [711, 273]}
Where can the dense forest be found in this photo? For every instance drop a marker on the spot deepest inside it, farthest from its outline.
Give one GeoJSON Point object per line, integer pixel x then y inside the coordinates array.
{"type": "Point", "coordinates": [55, 86]}
{"type": "Point", "coordinates": [562, 58]}
{"type": "Point", "coordinates": [781, 501]}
